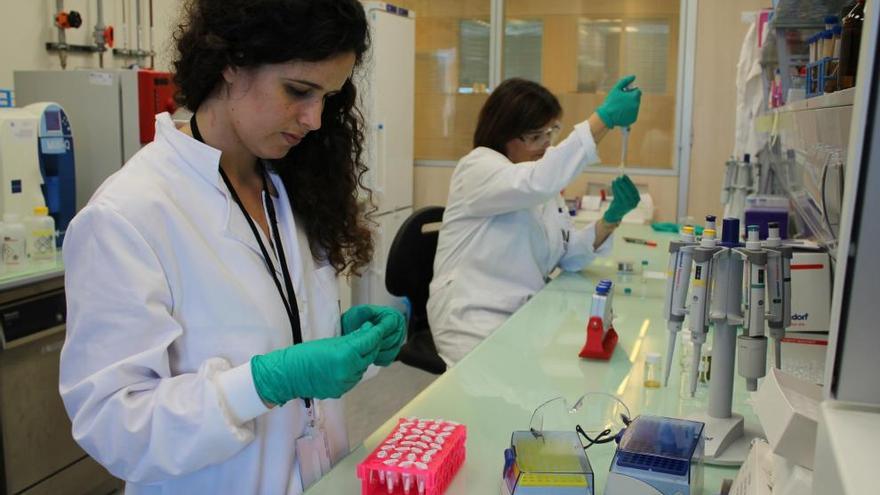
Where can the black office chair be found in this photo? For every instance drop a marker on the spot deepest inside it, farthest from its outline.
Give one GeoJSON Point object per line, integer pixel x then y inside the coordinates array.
{"type": "Point", "coordinates": [408, 274]}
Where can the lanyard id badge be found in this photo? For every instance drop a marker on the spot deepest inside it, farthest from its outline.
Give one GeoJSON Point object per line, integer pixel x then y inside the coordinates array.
{"type": "Point", "coordinates": [313, 449]}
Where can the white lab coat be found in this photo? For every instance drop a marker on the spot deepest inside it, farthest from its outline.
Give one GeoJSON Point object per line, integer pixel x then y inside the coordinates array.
{"type": "Point", "coordinates": [503, 232]}
{"type": "Point", "coordinates": [168, 299]}
{"type": "Point", "coordinates": [750, 105]}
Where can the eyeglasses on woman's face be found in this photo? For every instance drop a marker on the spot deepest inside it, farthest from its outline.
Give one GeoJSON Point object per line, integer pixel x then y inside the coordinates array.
{"type": "Point", "coordinates": [535, 140]}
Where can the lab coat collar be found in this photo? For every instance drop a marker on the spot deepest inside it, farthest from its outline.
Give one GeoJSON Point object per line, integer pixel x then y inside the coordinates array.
{"type": "Point", "coordinates": [202, 158]}
{"type": "Point", "coordinates": [205, 161]}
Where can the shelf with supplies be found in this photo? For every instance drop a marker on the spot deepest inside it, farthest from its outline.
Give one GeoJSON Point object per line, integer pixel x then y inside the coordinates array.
{"type": "Point", "coordinates": [840, 98]}
{"type": "Point", "coordinates": [806, 49]}
{"type": "Point", "coordinates": [774, 119]}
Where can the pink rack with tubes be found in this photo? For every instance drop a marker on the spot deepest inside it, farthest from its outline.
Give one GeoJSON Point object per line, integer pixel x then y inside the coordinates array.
{"type": "Point", "coordinates": [419, 457]}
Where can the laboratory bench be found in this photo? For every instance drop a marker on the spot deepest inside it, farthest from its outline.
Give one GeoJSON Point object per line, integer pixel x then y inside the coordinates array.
{"type": "Point", "coordinates": [533, 357]}
{"type": "Point", "coordinates": [32, 274]}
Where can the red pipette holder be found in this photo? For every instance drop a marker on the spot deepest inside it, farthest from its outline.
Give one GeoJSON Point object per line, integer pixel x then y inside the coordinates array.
{"type": "Point", "coordinates": [600, 344]}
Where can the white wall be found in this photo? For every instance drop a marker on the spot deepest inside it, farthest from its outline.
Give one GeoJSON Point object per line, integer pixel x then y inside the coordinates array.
{"type": "Point", "coordinates": [26, 26]}
{"type": "Point", "coordinates": [720, 34]}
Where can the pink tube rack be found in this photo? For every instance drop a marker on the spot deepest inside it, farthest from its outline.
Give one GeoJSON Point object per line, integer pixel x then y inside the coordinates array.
{"type": "Point", "coordinates": [419, 457]}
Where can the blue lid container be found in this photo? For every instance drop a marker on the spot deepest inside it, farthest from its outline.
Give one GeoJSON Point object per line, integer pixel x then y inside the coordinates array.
{"type": "Point", "coordinates": [730, 232]}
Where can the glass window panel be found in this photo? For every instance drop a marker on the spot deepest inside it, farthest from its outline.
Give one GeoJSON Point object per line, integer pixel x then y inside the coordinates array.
{"type": "Point", "coordinates": [647, 46]}
{"type": "Point", "coordinates": [598, 55]}
{"type": "Point", "coordinates": [522, 52]}
{"type": "Point", "coordinates": [587, 45]}
{"type": "Point", "coordinates": [474, 44]}
{"type": "Point", "coordinates": [522, 49]}
{"type": "Point", "coordinates": [452, 56]}
{"type": "Point", "coordinates": [578, 49]}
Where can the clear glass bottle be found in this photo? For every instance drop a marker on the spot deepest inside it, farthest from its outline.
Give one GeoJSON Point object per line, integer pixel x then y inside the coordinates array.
{"type": "Point", "coordinates": [653, 370]}
{"type": "Point", "coordinates": [643, 280]}
{"type": "Point", "coordinates": [625, 270]}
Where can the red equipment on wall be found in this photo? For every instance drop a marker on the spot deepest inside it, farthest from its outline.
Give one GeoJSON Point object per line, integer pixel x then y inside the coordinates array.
{"type": "Point", "coordinates": [155, 95]}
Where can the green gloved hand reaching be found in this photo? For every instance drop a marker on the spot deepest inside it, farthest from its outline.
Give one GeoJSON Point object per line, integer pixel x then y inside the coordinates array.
{"type": "Point", "coordinates": [621, 106]}
{"type": "Point", "coordinates": [626, 198]}
{"type": "Point", "coordinates": [317, 369]}
{"type": "Point", "coordinates": [389, 319]}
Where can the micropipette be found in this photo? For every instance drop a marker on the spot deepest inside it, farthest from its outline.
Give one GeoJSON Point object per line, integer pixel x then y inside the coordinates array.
{"type": "Point", "coordinates": [624, 139]}
{"type": "Point", "coordinates": [752, 344]}
{"type": "Point", "coordinates": [710, 223]}
{"type": "Point", "coordinates": [699, 311]}
{"type": "Point", "coordinates": [778, 289]}
{"type": "Point", "coordinates": [678, 274]}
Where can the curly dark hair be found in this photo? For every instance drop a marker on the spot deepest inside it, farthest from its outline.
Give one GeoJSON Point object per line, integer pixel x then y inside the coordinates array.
{"type": "Point", "coordinates": [322, 174]}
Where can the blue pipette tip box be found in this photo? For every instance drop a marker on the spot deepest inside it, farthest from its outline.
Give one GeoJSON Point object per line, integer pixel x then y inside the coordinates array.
{"type": "Point", "coordinates": [665, 453]}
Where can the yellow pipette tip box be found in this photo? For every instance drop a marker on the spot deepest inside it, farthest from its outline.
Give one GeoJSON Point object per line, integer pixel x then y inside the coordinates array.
{"type": "Point", "coordinates": [551, 464]}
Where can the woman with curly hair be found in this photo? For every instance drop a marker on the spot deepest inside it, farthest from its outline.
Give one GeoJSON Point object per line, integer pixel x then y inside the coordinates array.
{"type": "Point", "coordinates": [205, 350]}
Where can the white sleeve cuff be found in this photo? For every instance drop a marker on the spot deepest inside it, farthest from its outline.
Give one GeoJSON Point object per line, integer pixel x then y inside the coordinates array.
{"type": "Point", "coordinates": [583, 132]}
{"type": "Point", "coordinates": [240, 393]}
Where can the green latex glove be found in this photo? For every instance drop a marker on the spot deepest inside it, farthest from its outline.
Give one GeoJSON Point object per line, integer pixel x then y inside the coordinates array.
{"type": "Point", "coordinates": [392, 323]}
{"type": "Point", "coordinates": [665, 227]}
{"type": "Point", "coordinates": [621, 106]}
{"type": "Point", "coordinates": [317, 369]}
{"type": "Point", "coordinates": [626, 198]}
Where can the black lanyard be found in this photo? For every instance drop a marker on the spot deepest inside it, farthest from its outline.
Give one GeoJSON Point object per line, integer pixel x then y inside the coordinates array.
{"type": "Point", "coordinates": [289, 301]}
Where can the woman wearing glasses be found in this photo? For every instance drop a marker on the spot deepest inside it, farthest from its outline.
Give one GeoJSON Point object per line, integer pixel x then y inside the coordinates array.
{"type": "Point", "coordinates": [506, 227]}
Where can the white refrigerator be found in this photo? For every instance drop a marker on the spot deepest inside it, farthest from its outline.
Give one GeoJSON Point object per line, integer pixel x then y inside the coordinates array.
{"type": "Point", "coordinates": [387, 92]}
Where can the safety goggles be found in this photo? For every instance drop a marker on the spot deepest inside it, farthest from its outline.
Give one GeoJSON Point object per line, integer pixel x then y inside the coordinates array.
{"type": "Point", "coordinates": [535, 140]}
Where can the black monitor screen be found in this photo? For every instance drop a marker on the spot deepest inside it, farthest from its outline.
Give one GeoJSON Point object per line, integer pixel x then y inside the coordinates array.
{"type": "Point", "coordinates": [53, 121]}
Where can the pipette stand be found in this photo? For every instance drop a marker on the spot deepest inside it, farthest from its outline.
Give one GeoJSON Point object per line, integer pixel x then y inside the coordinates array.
{"type": "Point", "coordinates": [600, 344]}
{"type": "Point", "coordinates": [728, 438]}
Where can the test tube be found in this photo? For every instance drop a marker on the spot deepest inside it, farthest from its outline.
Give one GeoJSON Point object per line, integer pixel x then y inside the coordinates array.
{"type": "Point", "coordinates": [811, 42]}
{"type": "Point", "coordinates": [623, 145]}
{"type": "Point", "coordinates": [407, 483]}
{"type": "Point", "coordinates": [391, 481]}
{"type": "Point", "coordinates": [837, 31]}
{"type": "Point", "coordinates": [828, 44]}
